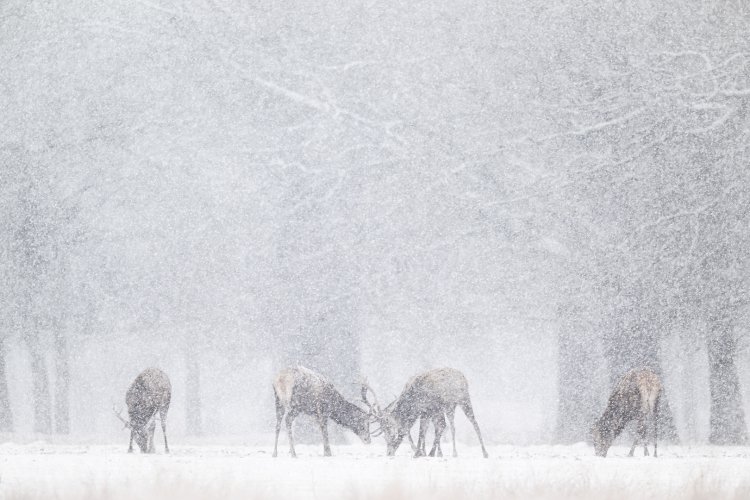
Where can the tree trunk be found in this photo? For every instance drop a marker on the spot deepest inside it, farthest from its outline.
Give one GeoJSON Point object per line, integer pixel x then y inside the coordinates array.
{"type": "Point", "coordinates": [6, 416]}
{"type": "Point", "coordinates": [62, 384]}
{"type": "Point", "coordinates": [727, 420]}
{"type": "Point", "coordinates": [690, 400]}
{"type": "Point", "coordinates": [40, 390]}
{"type": "Point", "coordinates": [193, 394]}
{"type": "Point", "coordinates": [578, 402]}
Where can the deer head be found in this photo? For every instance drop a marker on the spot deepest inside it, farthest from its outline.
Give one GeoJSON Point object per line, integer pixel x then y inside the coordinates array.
{"type": "Point", "coordinates": [389, 426]}
{"type": "Point", "coordinates": [602, 439]}
{"type": "Point", "coordinates": [140, 432]}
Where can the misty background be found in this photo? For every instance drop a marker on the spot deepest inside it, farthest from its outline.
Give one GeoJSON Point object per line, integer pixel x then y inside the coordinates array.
{"type": "Point", "coordinates": [540, 194]}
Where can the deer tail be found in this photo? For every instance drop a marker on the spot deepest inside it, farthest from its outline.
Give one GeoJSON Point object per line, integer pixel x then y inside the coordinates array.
{"type": "Point", "coordinates": [283, 387]}
{"type": "Point", "coordinates": [649, 398]}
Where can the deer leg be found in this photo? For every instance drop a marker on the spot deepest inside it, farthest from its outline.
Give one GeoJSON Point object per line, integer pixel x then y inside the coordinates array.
{"type": "Point", "coordinates": [434, 441]}
{"type": "Point", "coordinates": [439, 421]}
{"type": "Point", "coordinates": [656, 422]}
{"type": "Point", "coordinates": [439, 437]}
{"type": "Point", "coordinates": [411, 441]}
{"type": "Point", "coordinates": [163, 419]}
{"type": "Point", "coordinates": [469, 412]}
{"type": "Point", "coordinates": [632, 448]}
{"type": "Point", "coordinates": [289, 420]}
{"type": "Point", "coordinates": [420, 440]}
{"type": "Point", "coordinates": [323, 422]}
{"type": "Point", "coordinates": [151, 431]}
{"type": "Point", "coordinates": [451, 412]}
{"type": "Point", "coordinates": [279, 417]}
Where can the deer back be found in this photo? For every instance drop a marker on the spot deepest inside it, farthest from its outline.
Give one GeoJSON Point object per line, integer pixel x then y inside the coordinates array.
{"type": "Point", "coordinates": [308, 391]}
{"type": "Point", "coordinates": [444, 385]}
{"type": "Point", "coordinates": [430, 392]}
{"type": "Point", "coordinates": [302, 388]}
{"type": "Point", "coordinates": [149, 392]}
{"type": "Point", "coordinates": [434, 390]}
{"type": "Point", "coordinates": [649, 387]}
{"type": "Point", "coordinates": [634, 394]}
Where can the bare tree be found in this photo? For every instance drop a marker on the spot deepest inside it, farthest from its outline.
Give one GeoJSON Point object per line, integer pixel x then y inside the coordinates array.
{"type": "Point", "coordinates": [6, 414]}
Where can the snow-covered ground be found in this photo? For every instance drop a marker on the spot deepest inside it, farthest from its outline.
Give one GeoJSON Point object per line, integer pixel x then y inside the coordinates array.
{"type": "Point", "coordinates": [41, 470]}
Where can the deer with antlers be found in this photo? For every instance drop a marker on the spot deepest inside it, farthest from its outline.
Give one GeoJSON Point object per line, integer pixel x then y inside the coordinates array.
{"type": "Point", "coordinates": [635, 397]}
{"type": "Point", "coordinates": [301, 390]}
{"type": "Point", "coordinates": [149, 394]}
{"type": "Point", "coordinates": [428, 396]}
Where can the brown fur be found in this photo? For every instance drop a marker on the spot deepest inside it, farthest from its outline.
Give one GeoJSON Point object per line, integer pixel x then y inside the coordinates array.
{"type": "Point", "coordinates": [149, 394]}
{"type": "Point", "coordinates": [428, 396]}
{"type": "Point", "coordinates": [300, 390]}
{"type": "Point", "coordinates": [635, 397]}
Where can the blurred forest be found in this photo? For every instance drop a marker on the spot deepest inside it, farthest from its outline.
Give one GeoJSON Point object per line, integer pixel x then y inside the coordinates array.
{"type": "Point", "coordinates": [541, 194]}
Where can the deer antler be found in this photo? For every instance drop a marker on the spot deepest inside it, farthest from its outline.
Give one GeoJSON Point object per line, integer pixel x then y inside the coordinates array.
{"type": "Point", "coordinates": [118, 414]}
{"type": "Point", "coordinates": [374, 406]}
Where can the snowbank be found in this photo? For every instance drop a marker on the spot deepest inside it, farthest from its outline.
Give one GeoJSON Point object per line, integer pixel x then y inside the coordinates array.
{"type": "Point", "coordinates": [42, 470]}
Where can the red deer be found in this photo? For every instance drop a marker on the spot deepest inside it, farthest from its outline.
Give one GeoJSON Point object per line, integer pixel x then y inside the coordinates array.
{"type": "Point", "coordinates": [635, 397]}
{"type": "Point", "coordinates": [300, 390]}
{"type": "Point", "coordinates": [149, 393]}
{"type": "Point", "coordinates": [429, 395]}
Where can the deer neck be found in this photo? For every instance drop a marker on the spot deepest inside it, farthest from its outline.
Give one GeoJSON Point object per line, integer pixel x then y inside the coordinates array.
{"type": "Point", "coordinates": [406, 413]}
{"type": "Point", "coordinates": [613, 421]}
{"type": "Point", "coordinates": [138, 420]}
{"type": "Point", "coordinates": [345, 413]}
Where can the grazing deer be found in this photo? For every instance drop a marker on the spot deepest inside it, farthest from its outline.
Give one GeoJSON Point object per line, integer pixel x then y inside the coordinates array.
{"type": "Point", "coordinates": [300, 390]}
{"type": "Point", "coordinates": [427, 396]}
{"type": "Point", "coordinates": [635, 397]}
{"type": "Point", "coordinates": [149, 393]}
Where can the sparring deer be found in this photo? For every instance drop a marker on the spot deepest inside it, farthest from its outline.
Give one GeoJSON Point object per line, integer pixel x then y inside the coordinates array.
{"type": "Point", "coordinates": [635, 397]}
{"type": "Point", "coordinates": [301, 390]}
{"type": "Point", "coordinates": [149, 394]}
{"type": "Point", "coordinates": [428, 396]}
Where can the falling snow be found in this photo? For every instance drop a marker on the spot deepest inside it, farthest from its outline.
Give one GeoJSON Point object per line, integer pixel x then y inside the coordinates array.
{"type": "Point", "coordinates": [542, 195]}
